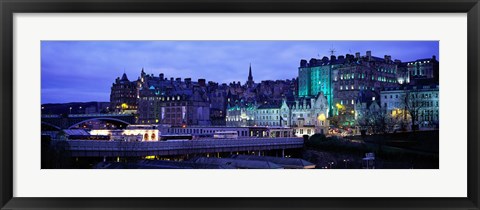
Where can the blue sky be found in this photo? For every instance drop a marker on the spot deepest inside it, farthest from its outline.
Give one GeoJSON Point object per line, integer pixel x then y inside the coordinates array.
{"type": "Point", "coordinates": [81, 71]}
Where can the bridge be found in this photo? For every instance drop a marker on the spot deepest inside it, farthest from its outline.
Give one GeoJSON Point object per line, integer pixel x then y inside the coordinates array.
{"type": "Point", "coordinates": [85, 148]}
{"type": "Point", "coordinates": [60, 122]}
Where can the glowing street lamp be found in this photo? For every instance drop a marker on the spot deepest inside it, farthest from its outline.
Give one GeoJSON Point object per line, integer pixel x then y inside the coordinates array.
{"type": "Point", "coordinates": [346, 162]}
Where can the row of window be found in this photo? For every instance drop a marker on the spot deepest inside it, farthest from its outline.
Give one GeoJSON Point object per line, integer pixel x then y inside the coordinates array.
{"type": "Point", "coordinates": [163, 98]}
{"type": "Point", "coordinates": [418, 62]}
{"type": "Point", "coordinates": [352, 87]}
{"type": "Point", "coordinates": [268, 117]}
{"type": "Point", "coordinates": [267, 111]}
{"type": "Point", "coordinates": [362, 76]}
{"type": "Point", "coordinates": [418, 95]}
{"type": "Point", "coordinates": [342, 102]}
{"type": "Point", "coordinates": [301, 131]}
{"type": "Point", "coordinates": [300, 115]}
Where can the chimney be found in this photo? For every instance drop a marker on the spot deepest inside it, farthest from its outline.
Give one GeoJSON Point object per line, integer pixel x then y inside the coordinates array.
{"type": "Point", "coordinates": [369, 55]}
{"type": "Point", "coordinates": [325, 59]}
{"type": "Point", "coordinates": [303, 63]}
{"type": "Point", "coordinates": [201, 82]}
{"type": "Point", "coordinates": [387, 58]}
{"type": "Point", "coordinates": [333, 58]}
{"type": "Point", "coordinates": [341, 58]}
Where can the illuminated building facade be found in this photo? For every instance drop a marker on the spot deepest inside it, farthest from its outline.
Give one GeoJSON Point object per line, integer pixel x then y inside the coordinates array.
{"type": "Point", "coordinates": [362, 73]}
{"type": "Point", "coordinates": [241, 114]}
{"type": "Point", "coordinates": [309, 115]}
{"type": "Point", "coordinates": [123, 95]}
{"type": "Point", "coordinates": [268, 115]}
{"type": "Point", "coordinates": [424, 68]}
{"type": "Point", "coordinates": [417, 104]}
{"type": "Point", "coordinates": [341, 79]}
{"type": "Point", "coordinates": [316, 76]}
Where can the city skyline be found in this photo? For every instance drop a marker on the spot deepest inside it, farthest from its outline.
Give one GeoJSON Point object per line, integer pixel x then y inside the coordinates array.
{"type": "Point", "coordinates": [81, 71]}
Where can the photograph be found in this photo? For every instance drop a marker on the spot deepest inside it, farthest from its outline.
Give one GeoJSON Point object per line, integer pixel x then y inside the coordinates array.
{"type": "Point", "coordinates": [240, 104]}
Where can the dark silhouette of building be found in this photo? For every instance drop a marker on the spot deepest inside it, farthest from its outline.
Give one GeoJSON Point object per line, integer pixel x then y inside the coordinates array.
{"type": "Point", "coordinates": [123, 95]}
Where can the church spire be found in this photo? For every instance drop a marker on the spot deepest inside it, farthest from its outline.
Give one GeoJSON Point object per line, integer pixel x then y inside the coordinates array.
{"type": "Point", "coordinates": [250, 77]}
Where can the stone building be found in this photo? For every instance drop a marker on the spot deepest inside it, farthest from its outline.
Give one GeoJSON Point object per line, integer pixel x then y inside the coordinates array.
{"type": "Point", "coordinates": [424, 68]}
{"type": "Point", "coordinates": [172, 101]}
{"type": "Point", "coordinates": [416, 106]}
{"type": "Point", "coordinates": [361, 73]}
{"type": "Point", "coordinates": [241, 114]}
{"type": "Point", "coordinates": [341, 79]}
{"type": "Point", "coordinates": [316, 76]}
{"type": "Point", "coordinates": [268, 115]}
{"type": "Point", "coordinates": [309, 115]}
{"type": "Point", "coordinates": [368, 113]}
{"type": "Point", "coordinates": [123, 95]}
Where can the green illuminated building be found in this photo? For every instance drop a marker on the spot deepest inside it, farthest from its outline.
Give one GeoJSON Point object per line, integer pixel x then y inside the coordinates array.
{"type": "Point", "coordinates": [316, 76]}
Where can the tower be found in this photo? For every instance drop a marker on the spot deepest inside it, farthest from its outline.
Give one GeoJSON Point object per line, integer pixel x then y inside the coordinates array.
{"type": "Point", "coordinates": [250, 77]}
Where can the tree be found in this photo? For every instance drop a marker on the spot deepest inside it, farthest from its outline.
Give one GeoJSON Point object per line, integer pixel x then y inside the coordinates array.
{"type": "Point", "coordinates": [413, 106]}
{"type": "Point", "coordinates": [375, 119]}
{"type": "Point", "coordinates": [335, 121]}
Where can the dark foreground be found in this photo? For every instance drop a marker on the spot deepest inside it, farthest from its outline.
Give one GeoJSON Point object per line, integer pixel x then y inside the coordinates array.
{"type": "Point", "coordinates": [418, 150]}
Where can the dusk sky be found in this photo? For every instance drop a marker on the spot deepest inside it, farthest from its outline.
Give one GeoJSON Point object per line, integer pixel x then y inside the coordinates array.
{"type": "Point", "coordinates": [82, 71]}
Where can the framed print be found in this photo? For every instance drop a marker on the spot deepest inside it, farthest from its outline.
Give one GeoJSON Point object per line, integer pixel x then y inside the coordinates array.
{"type": "Point", "coordinates": [152, 104]}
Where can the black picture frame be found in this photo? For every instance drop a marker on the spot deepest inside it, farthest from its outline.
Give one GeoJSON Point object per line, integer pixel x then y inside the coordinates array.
{"type": "Point", "coordinates": [10, 7]}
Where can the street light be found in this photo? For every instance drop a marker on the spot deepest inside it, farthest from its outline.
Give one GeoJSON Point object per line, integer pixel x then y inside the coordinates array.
{"type": "Point", "coordinates": [346, 162]}
{"type": "Point", "coordinates": [331, 164]}
{"type": "Point", "coordinates": [70, 110]}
